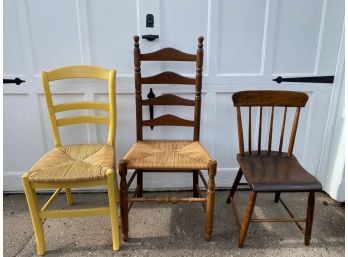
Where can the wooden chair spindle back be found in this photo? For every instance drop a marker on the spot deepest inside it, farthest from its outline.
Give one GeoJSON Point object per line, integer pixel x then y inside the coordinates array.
{"type": "Point", "coordinates": [271, 99]}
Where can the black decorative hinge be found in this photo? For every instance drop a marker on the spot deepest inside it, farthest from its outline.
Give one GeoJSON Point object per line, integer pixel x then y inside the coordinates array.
{"type": "Point", "coordinates": [16, 81]}
{"type": "Point", "coordinates": [317, 79]}
{"type": "Point", "coordinates": [151, 95]}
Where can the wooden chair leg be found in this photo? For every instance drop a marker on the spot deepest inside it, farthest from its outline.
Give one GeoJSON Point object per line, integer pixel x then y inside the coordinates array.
{"type": "Point", "coordinates": [111, 184]}
{"type": "Point", "coordinates": [140, 183]}
{"type": "Point", "coordinates": [309, 220]}
{"type": "Point", "coordinates": [195, 182]}
{"type": "Point", "coordinates": [116, 183]}
{"type": "Point", "coordinates": [276, 197]}
{"type": "Point", "coordinates": [34, 213]}
{"type": "Point", "coordinates": [209, 213]}
{"type": "Point", "coordinates": [235, 185]}
{"type": "Point", "coordinates": [246, 220]}
{"type": "Point", "coordinates": [69, 197]}
{"type": "Point", "coordinates": [124, 199]}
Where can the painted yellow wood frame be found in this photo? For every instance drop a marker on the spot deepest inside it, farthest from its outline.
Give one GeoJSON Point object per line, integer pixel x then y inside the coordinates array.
{"type": "Point", "coordinates": [110, 180]}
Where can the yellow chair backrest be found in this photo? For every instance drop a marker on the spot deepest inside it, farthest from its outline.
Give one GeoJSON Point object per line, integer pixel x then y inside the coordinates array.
{"type": "Point", "coordinates": [70, 72]}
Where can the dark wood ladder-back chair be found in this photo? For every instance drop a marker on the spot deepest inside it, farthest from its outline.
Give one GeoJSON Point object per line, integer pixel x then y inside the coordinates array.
{"type": "Point", "coordinates": [168, 155]}
{"type": "Point", "coordinates": [267, 170]}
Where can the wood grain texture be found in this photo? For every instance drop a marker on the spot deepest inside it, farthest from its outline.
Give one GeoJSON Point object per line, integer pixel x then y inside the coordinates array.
{"type": "Point", "coordinates": [272, 172]}
{"type": "Point", "coordinates": [168, 120]}
{"type": "Point", "coordinates": [270, 98]}
{"type": "Point", "coordinates": [168, 77]}
{"type": "Point", "coordinates": [168, 54]}
{"type": "Point", "coordinates": [168, 99]}
{"type": "Point", "coordinates": [138, 98]}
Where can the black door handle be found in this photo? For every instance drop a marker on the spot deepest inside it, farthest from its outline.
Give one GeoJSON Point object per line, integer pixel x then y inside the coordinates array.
{"type": "Point", "coordinates": [16, 81]}
{"type": "Point", "coordinates": [150, 37]}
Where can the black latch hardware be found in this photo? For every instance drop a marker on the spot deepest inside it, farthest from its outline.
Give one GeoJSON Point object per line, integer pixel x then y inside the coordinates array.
{"type": "Point", "coordinates": [150, 37]}
{"type": "Point", "coordinates": [151, 95]}
{"type": "Point", "coordinates": [150, 21]}
{"type": "Point", "coordinates": [16, 81]}
{"type": "Point", "coordinates": [317, 79]}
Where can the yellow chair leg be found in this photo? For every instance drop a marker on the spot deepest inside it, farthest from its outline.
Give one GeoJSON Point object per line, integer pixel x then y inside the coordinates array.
{"type": "Point", "coordinates": [111, 184]}
{"type": "Point", "coordinates": [34, 213]}
{"type": "Point", "coordinates": [69, 196]}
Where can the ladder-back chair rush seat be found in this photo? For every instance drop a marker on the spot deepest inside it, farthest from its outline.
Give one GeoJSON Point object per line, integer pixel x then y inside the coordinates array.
{"type": "Point", "coordinates": [271, 171]}
{"type": "Point", "coordinates": [168, 155]}
{"type": "Point", "coordinates": [75, 166]}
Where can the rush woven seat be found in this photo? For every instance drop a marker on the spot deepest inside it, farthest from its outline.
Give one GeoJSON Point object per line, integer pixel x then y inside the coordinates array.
{"type": "Point", "coordinates": [73, 163]}
{"type": "Point", "coordinates": [75, 166]}
{"type": "Point", "coordinates": [167, 154]}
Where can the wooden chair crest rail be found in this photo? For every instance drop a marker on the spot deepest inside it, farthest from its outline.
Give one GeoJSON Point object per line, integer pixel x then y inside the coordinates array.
{"type": "Point", "coordinates": [168, 155]}
{"type": "Point", "coordinates": [267, 170]}
{"type": "Point", "coordinates": [73, 166]}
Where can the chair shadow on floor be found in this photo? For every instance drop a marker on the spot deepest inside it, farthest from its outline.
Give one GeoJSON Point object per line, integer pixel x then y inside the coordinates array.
{"type": "Point", "coordinates": [180, 227]}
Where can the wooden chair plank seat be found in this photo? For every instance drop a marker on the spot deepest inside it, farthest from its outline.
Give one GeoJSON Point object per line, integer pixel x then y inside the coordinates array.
{"type": "Point", "coordinates": [274, 172]}
{"type": "Point", "coordinates": [73, 163]}
{"type": "Point", "coordinates": [167, 154]}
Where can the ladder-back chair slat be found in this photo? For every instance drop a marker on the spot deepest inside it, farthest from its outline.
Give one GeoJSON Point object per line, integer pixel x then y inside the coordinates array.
{"type": "Point", "coordinates": [81, 71]}
{"type": "Point", "coordinates": [168, 54]}
{"type": "Point", "coordinates": [171, 78]}
{"type": "Point", "coordinates": [73, 72]}
{"type": "Point", "coordinates": [168, 120]}
{"type": "Point", "coordinates": [82, 119]}
{"type": "Point", "coordinates": [80, 105]}
{"type": "Point", "coordinates": [168, 77]}
{"type": "Point", "coordinates": [168, 99]}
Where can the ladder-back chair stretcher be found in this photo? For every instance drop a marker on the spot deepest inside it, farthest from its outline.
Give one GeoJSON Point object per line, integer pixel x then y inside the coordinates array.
{"type": "Point", "coordinates": [168, 155]}
{"type": "Point", "coordinates": [267, 170]}
{"type": "Point", "coordinates": [74, 166]}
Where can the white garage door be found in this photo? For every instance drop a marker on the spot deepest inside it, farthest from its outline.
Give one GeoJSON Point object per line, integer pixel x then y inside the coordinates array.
{"type": "Point", "coordinates": [248, 43]}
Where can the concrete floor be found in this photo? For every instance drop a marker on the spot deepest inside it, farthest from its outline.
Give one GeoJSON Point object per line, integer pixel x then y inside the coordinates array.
{"type": "Point", "coordinates": [177, 230]}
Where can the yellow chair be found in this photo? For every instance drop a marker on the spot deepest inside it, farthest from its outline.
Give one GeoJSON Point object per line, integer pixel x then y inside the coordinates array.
{"type": "Point", "coordinates": [75, 166]}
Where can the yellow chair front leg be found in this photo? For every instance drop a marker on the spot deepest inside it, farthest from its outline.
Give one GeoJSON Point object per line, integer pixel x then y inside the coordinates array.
{"type": "Point", "coordinates": [69, 196]}
{"type": "Point", "coordinates": [111, 184]}
{"type": "Point", "coordinates": [34, 213]}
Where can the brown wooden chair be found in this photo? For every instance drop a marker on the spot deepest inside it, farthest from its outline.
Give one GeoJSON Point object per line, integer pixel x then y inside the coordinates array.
{"type": "Point", "coordinates": [271, 171]}
{"type": "Point", "coordinates": [168, 155]}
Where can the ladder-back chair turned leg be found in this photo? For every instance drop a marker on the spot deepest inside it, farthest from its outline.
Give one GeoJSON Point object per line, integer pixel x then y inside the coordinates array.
{"type": "Point", "coordinates": [124, 199]}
